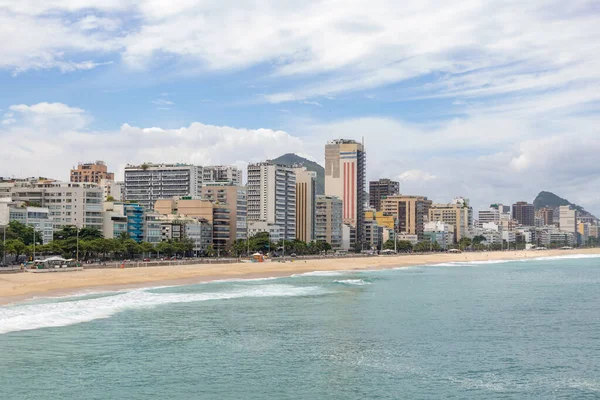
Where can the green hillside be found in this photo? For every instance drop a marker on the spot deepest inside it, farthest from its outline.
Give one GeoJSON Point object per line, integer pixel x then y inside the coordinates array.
{"type": "Point", "coordinates": [549, 199]}
{"type": "Point", "coordinates": [291, 159]}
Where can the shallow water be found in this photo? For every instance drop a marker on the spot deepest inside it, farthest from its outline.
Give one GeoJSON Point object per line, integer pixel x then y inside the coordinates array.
{"type": "Point", "coordinates": [525, 330]}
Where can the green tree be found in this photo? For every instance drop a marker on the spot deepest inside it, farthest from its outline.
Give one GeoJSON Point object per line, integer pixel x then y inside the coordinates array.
{"type": "Point", "coordinates": [147, 248]}
{"type": "Point", "coordinates": [464, 243]}
{"type": "Point", "coordinates": [23, 232]}
{"type": "Point", "coordinates": [89, 233]}
{"type": "Point", "coordinates": [15, 247]}
{"type": "Point", "coordinates": [165, 248]}
{"type": "Point", "coordinates": [110, 198]}
{"type": "Point", "coordinates": [478, 239]}
{"type": "Point", "coordinates": [131, 247]}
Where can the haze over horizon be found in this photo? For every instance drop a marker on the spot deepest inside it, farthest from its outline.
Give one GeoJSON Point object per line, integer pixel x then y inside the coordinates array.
{"type": "Point", "coordinates": [472, 100]}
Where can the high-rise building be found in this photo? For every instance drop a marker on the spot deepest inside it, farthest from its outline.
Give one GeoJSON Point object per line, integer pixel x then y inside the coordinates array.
{"type": "Point", "coordinates": [547, 216]}
{"type": "Point", "coordinates": [411, 213]}
{"type": "Point", "coordinates": [112, 189]}
{"type": "Point", "coordinates": [75, 204]}
{"type": "Point", "coordinates": [568, 220]}
{"type": "Point", "coordinates": [36, 217]}
{"type": "Point", "coordinates": [147, 183]}
{"type": "Point", "coordinates": [91, 172]}
{"type": "Point", "coordinates": [329, 221]}
{"type": "Point", "coordinates": [230, 209]}
{"type": "Point", "coordinates": [345, 178]}
{"type": "Point", "coordinates": [487, 216]}
{"type": "Point", "coordinates": [381, 189]}
{"type": "Point", "coordinates": [305, 204]}
{"type": "Point", "coordinates": [221, 175]}
{"type": "Point", "coordinates": [524, 213]}
{"type": "Point", "coordinates": [458, 214]}
{"type": "Point", "coordinates": [272, 196]}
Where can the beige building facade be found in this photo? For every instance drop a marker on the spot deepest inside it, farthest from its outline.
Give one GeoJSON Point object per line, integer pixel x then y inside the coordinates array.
{"type": "Point", "coordinates": [91, 173]}
{"type": "Point", "coordinates": [305, 204]}
{"type": "Point", "coordinates": [411, 213]}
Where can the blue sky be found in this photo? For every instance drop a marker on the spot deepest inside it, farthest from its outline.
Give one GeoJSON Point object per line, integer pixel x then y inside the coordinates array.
{"type": "Point", "coordinates": [489, 100]}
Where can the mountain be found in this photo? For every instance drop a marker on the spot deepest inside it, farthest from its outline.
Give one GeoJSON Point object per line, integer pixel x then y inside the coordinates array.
{"type": "Point", "coordinates": [549, 199]}
{"type": "Point", "coordinates": [294, 159]}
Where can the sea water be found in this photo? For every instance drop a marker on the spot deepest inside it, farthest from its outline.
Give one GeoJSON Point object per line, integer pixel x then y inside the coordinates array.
{"type": "Point", "coordinates": [510, 330]}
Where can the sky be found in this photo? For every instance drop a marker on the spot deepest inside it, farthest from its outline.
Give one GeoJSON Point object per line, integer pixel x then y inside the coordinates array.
{"type": "Point", "coordinates": [490, 100]}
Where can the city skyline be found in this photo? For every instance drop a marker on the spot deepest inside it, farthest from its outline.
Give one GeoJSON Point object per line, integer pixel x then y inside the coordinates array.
{"type": "Point", "coordinates": [498, 99]}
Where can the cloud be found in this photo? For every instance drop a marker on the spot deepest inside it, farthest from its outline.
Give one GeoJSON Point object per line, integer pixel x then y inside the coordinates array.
{"type": "Point", "coordinates": [484, 159]}
{"type": "Point", "coordinates": [416, 175]}
{"type": "Point", "coordinates": [319, 48]}
{"type": "Point", "coordinates": [162, 102]}
{"type": "Point", "coordinates": [56, 135]}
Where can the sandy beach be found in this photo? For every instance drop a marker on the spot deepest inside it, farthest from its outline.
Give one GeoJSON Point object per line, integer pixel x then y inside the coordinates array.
{"type": "Point", "coordinates": [23, 286]}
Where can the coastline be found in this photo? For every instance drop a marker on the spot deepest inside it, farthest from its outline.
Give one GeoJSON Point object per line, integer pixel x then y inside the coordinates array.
{"type": "Point", "coordinates": [25, 286]}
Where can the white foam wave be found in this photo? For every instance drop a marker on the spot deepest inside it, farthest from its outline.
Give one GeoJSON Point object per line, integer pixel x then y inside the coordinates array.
{"type": "Point", "coordinates": [36, 316]}
{"type": "Point", "coordinates": [490, 262]}
{"type": "Point", "coordinates": [354, 282]}
{"type": "Point", "coordinates": [320, 273]}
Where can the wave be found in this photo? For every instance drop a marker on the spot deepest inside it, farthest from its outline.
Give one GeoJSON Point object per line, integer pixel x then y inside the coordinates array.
{"type": "Point", "coordinates": [489, 262]}
{"type": "Point", "coordinates": [353, 282]}
{"type": "Point", "coordinates": [45, 315]}
{"type": "Point", "coordinates": [321, 273]}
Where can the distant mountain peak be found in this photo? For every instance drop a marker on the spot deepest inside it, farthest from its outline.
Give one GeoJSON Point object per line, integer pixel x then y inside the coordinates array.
{"type": "Point", "coordinates": [549, 199]}
{"type": "Point", "coordinates": [291, 159]}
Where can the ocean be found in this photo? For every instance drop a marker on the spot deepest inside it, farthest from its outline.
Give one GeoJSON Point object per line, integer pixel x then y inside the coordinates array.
{"type": "Point", "coordinates": [481, 330]}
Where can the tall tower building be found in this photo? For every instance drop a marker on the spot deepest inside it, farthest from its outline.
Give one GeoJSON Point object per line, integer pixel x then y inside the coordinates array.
{"type": "Point", "coordinates": [345, 178]}
{"type": "Point", "coordinates": [305, 204]}
{"type": "Point", "coordinates": [147, 183]}
{"type": "Point", "coordinates": [381, 189]}
{"type": "Point", "coordinates": [91, 172]}
{"type": "Point", "coordinates": [524, 213]}
{"type": "Point", "coordinates": [271, 195]}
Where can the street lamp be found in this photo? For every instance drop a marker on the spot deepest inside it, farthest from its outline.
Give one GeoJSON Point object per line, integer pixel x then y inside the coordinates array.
{"type": "Point", "coordinates": [77, 232]}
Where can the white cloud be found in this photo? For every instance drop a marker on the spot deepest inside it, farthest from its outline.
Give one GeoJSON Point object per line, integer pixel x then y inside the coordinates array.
{"type": "Point", "coordinates": [416, 175]}
{"type": "Point", "coordinates": [162, 102]}
{"type": "Point", "coordinates": [56, 136]}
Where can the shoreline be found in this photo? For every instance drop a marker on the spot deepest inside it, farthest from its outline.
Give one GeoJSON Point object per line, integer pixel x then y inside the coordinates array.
{"type": "Point", "coordinates": [16, 288]}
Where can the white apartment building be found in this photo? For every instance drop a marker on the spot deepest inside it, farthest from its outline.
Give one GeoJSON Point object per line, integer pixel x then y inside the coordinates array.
{"type": "Point", "coordinates": [487, 216]}
{"type": "Point", "coordinates": [221, 175]}
{"type": "Point", "coordinates": [37, 217]}
{"type": "Point", "coordinates": [274, 231]}
{"type": "Point", "coordinates": [114, 189]}
{"type": "Point", "coordinates": [77, 204]}
{"type": "Point", "coordinates": [271, 197]}
{"type": "Point", "coordinates": [146, 183]}
{"type": "Point", "coordinates": [440, 233]}
{"type": "Point", "coordinates": [568, 220]}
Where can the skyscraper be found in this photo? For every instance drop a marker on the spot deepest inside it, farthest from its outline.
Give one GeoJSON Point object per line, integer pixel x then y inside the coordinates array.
{"type": "Point", "coordinates": [381, 189]}
{"type": "Point", "coordinates": [524, 213]}
{"type": "Point", "coordinates": [345, 178]}
{"type": "Point", "coordinates": [147, 183]}
{"type": "Point", "coordinates": [305, 204]}
{"type": "Point", "coordinates": [272, 196]}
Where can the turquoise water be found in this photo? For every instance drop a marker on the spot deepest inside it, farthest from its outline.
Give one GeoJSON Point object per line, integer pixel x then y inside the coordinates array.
{"type": "Point", "coordinates": [514, 330]}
